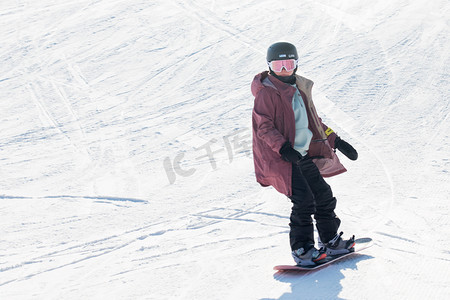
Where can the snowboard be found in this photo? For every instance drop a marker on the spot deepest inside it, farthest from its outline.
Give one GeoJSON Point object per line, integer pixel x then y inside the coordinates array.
{"type": "Point", "coordinates": [360, 244]}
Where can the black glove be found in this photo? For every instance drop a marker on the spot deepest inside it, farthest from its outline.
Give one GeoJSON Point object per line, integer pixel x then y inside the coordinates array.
{"type": "Point", "coordinates": [345, 148]}
{"type": "Point", "coordinates": [289, 154]}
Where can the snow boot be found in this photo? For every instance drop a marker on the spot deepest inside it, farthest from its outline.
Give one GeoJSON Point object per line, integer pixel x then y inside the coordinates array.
{"type": "Point", "coordinates": [338, 246]}
{"type": "Point", "coordinates": [310, 257]}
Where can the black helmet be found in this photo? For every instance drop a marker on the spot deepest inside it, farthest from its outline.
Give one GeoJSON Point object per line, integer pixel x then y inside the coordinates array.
{"type": "Point", "coordinates": [281, 50]}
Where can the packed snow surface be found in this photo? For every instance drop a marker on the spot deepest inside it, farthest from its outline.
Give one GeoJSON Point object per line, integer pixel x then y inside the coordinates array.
{"type": "Point", "coordinates": [126, 168]}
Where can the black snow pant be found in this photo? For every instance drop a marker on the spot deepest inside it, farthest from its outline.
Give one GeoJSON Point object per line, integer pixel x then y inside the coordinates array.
{"type": "Point", "coordinates": [311, 195]}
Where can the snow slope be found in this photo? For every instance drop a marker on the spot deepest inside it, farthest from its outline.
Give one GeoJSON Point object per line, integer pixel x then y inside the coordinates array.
{"type": "Point", "coordinates": [125, 148]}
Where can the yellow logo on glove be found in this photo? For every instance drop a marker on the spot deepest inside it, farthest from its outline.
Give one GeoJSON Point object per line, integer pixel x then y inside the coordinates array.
{"type": "Point", "coordinates": [329, 131]}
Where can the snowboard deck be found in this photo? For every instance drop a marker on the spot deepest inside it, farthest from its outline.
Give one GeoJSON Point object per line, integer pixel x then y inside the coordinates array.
{"type": "Point", "coordinates": [360, 244]}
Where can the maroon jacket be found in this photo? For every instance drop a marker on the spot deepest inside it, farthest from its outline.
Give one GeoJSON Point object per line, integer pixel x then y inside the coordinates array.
{"type": "Point", "coordinates": [274, 124]}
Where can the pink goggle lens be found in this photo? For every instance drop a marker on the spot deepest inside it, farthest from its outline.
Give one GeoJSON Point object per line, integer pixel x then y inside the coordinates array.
{"type": "Point", "coordinates": [287, 64]}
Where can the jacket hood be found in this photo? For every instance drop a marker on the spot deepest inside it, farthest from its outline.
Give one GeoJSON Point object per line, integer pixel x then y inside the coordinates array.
{"type": "Point", "coordinates": [257, 83]}
{"type": "Point", "coordinates": [264, 79]}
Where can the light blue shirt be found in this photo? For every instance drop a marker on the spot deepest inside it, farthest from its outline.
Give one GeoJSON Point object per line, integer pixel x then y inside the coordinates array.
{"type": "Point", "coordinates": [303, 135]}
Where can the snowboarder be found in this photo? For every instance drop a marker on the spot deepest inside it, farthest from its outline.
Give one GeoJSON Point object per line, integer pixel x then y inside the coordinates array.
{"type": "Point", "coordinates": [293, 150]}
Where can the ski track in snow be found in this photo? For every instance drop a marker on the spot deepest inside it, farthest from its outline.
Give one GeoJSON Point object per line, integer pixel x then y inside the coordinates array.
{"type": "Point", "coordinates": [109, 108]}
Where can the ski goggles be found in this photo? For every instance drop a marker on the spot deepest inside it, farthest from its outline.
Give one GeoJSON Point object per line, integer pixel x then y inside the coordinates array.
{"type": "Point", "coordinates": [287, 64]}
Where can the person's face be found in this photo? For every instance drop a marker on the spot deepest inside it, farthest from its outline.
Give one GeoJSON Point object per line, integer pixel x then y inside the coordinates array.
{"type": "Point", "coordinates": [284, 67]}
